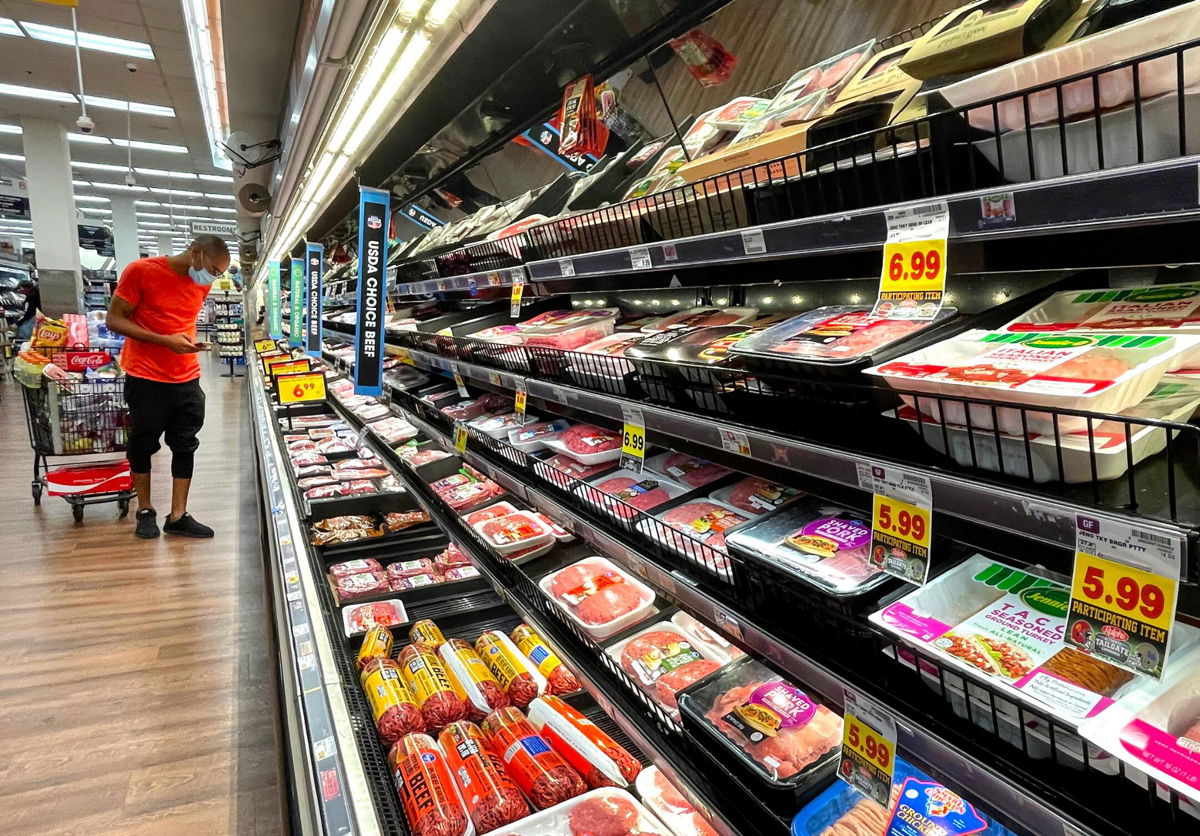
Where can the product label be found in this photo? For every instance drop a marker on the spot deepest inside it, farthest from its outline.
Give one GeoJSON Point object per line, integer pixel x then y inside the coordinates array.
{"type": "Point", "coordinates": [499, 660]}
{"type": "Point", "coordinates": [426, 676]}
{"type": "Point", "coordinates": [1123, 593]}
{"type": "Point", "coordinates": [512, 530]}
{"type": "Point", "coordinates": [925, 807]}
{"type": "Point", "coordinates": [770, 707]}
{"type": "Point", "coordinates": [592, 586]}
{"type": "Point", "coordinates": [902, 521]}
{"type": "Point", "coordinates": [825, 537]}
{"type": "Point", "coordinates": [633, 440]}
{"type": "Point", "coordinates": [1014, 635]}
{"type": "Point", "coordinates": [664, 659]}
{"type": "Point", "coordinates": [1178, 757]}
{"type": "Point", "coordinates": [714, 521]}
{"type": "Point", "coordinates": [384, 690]}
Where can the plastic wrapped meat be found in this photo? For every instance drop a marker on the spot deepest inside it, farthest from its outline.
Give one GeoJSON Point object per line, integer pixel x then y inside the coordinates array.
{"type": "Point", "coordinates": [668, 804]}
{"type": "Point", "coordinates": [394, 430]}
{"type": "Point", "coordinates": [544, 777]}
{"type": "Point", "coordinates": [578, 329]}
{"type": "Point", "coordinates": [464, 497]}
{"type": "Point", "coordinates": [559, 679]}
{"type": "Point", "coordinates": [585, 439]}
{"type": "Point", "coordinates": [836, 334]}
{"type": "Point", "coordinates": [363, 473]}
{"type": "Point", "coordinates": [662, 660]}
{"type": "Point", "coordinates": [464, 411]}
{"type": "Point", "coordinates": [778, 729]}
{"type": "Point", "coordinates": [702, 318]}
{"type": "Point", "coordinates": [607, 350]}
{"type": "Point", "coordinates": [411, 568]}
{"type": "Point", "coordinates": [461, 573]}
{"type": "Point", "coordinates": [519, 530]}
{"type": "Point", "coordinates": [688, 470]}
{"type": "Point", "coordinates": [451, 558]}
{"type": "Point", "coordinates": [593, 754]}
{"type": "Point", "coordinates": [573, 467]}
{"type": "Point", "coordinates": [491, 797]}
{"type": "Point", "coordinates": [599, 595]}
{"type": "Point", "coordinates": [755, 495]}
{"type": "Point", "coordinates": [641, 493]}
{"type": "Point", "coordinates": [428, 793]}
{"type": "Point", "coordinates": [354, 567]}
{"type": "Point", "coordinates": [421, 457]}
{"type": "Point", "coordinates": [315, 482]}
{"type": "Point", "coordinates": [392, 705]}
{"type": "Point", "coordinates": [399, 520]}
{"type": "Point", "coordinates": [361, 618]}
{"type": "Point", "coordinates": [1154, 309]}
{"type": "Point", "coordinates": [401, 583]}
{"type": "Point", "coordinates": [705, 522]}
{"type": "Point", "coordinates": [361, 585]}
{"type": "Point", "coordinates": [499, 509]}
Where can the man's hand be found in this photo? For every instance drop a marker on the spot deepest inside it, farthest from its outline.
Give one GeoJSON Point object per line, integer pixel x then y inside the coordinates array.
{"type": "Point", "coordinates": [180, 344]}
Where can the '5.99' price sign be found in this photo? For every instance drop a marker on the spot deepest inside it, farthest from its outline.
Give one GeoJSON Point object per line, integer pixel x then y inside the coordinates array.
{"type": "Point", "coordinates": [301, 388]}
{"type": "Point", "coordinates": [1123, 594]}
{"type": "Point", "coordinates": [901, 520]}
{"type": "Point", "coordinates": [868, 748]}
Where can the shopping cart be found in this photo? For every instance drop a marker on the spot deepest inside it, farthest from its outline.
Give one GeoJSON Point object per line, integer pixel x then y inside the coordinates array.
{"type": "Point", "coordinates": [87, 420]}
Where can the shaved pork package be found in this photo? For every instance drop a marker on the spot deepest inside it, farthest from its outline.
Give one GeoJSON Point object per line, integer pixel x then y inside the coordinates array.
{"type": "Point", "coordinates": [842, 337]}
{"type": "Point", "coordinates": [702, 318]}
{"type": "Point", "coordinates": [662, 659]}
{"type": "Point", "coordinates": [601, 597]}
{"type": "Point", "coordinates": [772, 727]}
{"type": "Point", "coordinates": [1092, 372]}
{"type": "Point", "coordinates": [607, 811]}
{"type": "Point", "coordinates": [822, 544]}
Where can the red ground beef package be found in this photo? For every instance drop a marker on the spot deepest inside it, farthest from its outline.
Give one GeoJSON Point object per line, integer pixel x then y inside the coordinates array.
{"type": "Point", "coordinates": [544, 777]}
{"type": "Point", "coordinates": [586, 439]}
{"type": "Point", "coordinates": [491, 797]}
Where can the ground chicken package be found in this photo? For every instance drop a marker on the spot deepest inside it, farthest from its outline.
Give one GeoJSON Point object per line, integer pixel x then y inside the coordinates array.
{"type": "Point", "coordinates": [1156, 726]}
{"type": "Point", "coordinates": [1006, 626]}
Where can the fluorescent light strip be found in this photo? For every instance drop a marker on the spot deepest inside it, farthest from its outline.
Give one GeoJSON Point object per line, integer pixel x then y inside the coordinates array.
{"type": "Point", "coordinates": [14, 158]}
{"type": "Point", "coordinates": [204, 67]}
{"type": "Point", "coordinates": [84, 183]}
{"type": "Point", "coordinates": [91, 198]}
{"type": "Point", "coordinates": [214, 178]}
{"type": "Point", "coordinates": [136, 107]}
{"type": "Point", "coordinates": [176, 192]}
{"type": "Point", "coordinates": [89, 138]}
{"type": "Point", "coordinates": [8, 26]}
{"type": "Point", "coordinates": [87, 40]}
{"type": "Point", "coordinates": [149, 146]}
{"type": "Point", "coordinates": [23, 92]}
{"type": "Point", "coordinates": [10, 129]}
{"type": "Point", "coordinates": [370, 118]}
{"type": "Point", "coordinates": [172, 175]}
{"type": "Point", "coordinates": [120, 187]}
{"type": "Point", "coordinates": [227, 197]}
{"type": "Point", "coordinates": [98, 166]}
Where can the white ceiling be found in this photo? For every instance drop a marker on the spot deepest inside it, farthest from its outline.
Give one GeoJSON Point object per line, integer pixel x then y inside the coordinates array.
{"type": "Point", "coordinates": [167, 80]}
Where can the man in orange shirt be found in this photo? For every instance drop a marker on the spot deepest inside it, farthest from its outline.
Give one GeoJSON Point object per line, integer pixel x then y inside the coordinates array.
{"type": "Point", "coordinates": [155, 307]}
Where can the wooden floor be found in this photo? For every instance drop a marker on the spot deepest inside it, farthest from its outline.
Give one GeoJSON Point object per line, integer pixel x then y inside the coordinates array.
{"type": "Point", "coordinates": [136, 692]}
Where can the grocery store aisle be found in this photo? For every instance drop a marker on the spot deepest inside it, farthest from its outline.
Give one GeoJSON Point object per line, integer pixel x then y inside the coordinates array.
{"type": "Point", "coordinates": [136, 693]}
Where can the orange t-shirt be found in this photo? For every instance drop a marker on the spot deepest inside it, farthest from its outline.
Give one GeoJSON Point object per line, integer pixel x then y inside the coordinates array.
{"type": "Point", "coordinates": [166, 303]}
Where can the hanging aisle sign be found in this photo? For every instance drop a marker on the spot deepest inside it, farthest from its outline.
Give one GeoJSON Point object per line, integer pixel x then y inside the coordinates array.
{"type": "Point", "coordinates": [373, 206]}
{"type": "Point", "coordinates": [912, 284]}
{"type": "Point", "coordinates": [274, 302]}
{"type": "Point", "coordinates": [314, 273]}
{"type": "Point", "coordinates": [296, 318]}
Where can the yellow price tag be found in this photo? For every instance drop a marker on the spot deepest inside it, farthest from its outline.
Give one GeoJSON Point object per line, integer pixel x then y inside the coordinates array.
{"type": "Point", "coordinates": [295, 367]}
{"type": "Point", "coordinates": [519, 401]}
{"type": "Point", "coordinates": [914, 268]}
{"type": "Point", "coordinates": [301, 388]}
{"type": "Point", "coordinates": [274, 360]}
{"type": "Point", "coordinates": [860, 738]}
{"type": "Point", "coordinates": [514, 308]}
{"type": "Point", "coordinates": [868, 758]}
{"type": "Point", "coordinates": [633, 440]}
{"type": "Point", "coordinates": [403, 356]}
{"type": "Point", "coordinates": [460, 437]}
{"type": "Point", "coordinates": [462, 386]}
{"type": "Point", "coordinates": [901, 520]}
{"type": "Point", "coordinates": [263, 346]}
{"type": "Point", "coordinates": [1121, 614]}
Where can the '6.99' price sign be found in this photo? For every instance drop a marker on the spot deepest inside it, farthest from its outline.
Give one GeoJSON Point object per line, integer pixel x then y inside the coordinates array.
{"type": "Point", "coordinates": [913, 281]}
{"type": "Point", "coordinates": [301, 388]}
{"type": "Point", "coordinates": [633, 439]}
{"type": "Point", "coordinates": [1123, 593]}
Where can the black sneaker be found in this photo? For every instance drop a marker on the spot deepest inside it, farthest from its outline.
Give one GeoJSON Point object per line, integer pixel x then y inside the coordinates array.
{"type": "Point", "coordinates": [147, 524]}
{"type": "Point", "coordinates": [186, 526]}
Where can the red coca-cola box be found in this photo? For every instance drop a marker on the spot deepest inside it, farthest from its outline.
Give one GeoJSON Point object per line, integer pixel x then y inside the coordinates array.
{"type": "Point", "coordinates": [102, 477]}
{"type": "Point", "coordinates": [81, 361]}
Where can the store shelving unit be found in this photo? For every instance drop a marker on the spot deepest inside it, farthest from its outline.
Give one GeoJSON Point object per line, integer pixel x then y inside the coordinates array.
{"type": "Point", "coordinates": [229, 325]}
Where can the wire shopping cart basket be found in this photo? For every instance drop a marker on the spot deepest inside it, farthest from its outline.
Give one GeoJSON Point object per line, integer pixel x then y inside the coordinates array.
{"type": "Point", "coordinates": [79, 419]}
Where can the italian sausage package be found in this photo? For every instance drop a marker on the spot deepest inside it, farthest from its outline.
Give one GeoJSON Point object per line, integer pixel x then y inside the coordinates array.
{"type": "Point", "coordinates": [430, 797]}
{"type": "Point", "coordinates": [435, 694]}
{"type": "Point", "coordinates": [491, 798]}
{"type": "Point", "coordinates": [468, 671]}
{"type": "Point", "coordinates": [559, 680]}
{"type": "Point", "coordinates": [427, 633]}
{"type": "Point", "coordinates": [544, 777]}
{"type": "Point", "coordinates": [377, 644]}
{"type": "Point", "coordinates": [593, 754]}
{"type": "Point", "coordinates": [392, 705]}
{"type": "Point", "coordinates": [520, 679]}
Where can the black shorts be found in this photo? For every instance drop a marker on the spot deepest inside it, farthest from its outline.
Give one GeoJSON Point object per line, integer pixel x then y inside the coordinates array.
{"type": "Point", "coordinates": [174, 411]}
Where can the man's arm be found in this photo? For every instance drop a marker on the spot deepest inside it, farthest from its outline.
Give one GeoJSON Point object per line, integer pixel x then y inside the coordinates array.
{"type": "Point", "coordinates": [30, 311]}
{"type": "Point", "coordinates": [120, 320]}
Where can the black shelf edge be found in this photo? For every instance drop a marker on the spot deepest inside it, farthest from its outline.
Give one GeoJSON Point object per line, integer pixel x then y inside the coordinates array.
{"type": "Point", "coordinates": [504, 277]}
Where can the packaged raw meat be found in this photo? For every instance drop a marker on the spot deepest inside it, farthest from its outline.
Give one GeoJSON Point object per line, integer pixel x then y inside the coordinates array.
{"type": "Point", "coordinates": [305, 460]}
{"type": "Point", "coordinates": [499, 426]}
{"type": "Point", "coordinates": [394, 430]}
{"type": "Point", "coordinates": [559, 680]}
{"type": "Point", "coordinates": [544, 777]}
{"type": "Point", "coordinates": [430, 797]}
{"type": "Point", "coordinates": [301, 446]}
{"type": "Point", "coordinates": [686, 470]}
{"type": "Point", "coordinates": [521, 680]}
{"type": "Point", "coordinates": [313, 470]}
{"type": "Point", "coordinates": [395, 521]}
{"type": "Point", "coordinates": [697, 346]}
{"type": "Point", "coordinates": [360, 618]}
{"type": "Point", "coordinates": [624, 492]}
{"type": "Point", "coordinates": [362, 473]}
{"type": "Point", "coordinates": [661, 659]}
{"type": "Point", "coordinates": [463, 410]}
{"type": "Point", "coordinates": [839, 335]}
{"type": "Point", "coordinates": [392, 704]}
{"type": "Point", "coordinates": [601, 598]}
{"type": "Point", "coordinates": [353, 567]}
{"type": "Point", "coordinates": [465, 497]}
{"type": "Point", "coordinates": [754, 495]}
{"type": "Point", "coordinates": [604, 812]}
{"type": "Point", "coordinates": [410, 568]}
{"type": "Point", "coordinates": [426, 678]}
{"type": "Point", "coordinates": [580, 328]}
{"type": "Point", "coordinates": [426, 632]}
{"type": "Point", "coordinates": [561, 535]}
{"type": "Point", "coordinates": [734, 114]}
{"type": "Point", "coordinates": [667, 803]}
{"type": "Point", "coordinates": [825, 545]}
{"type": "Point", "coordinates": [827, 77]}
{"type": "Point", "coordinates": [315, 482]}
{"type": "Point", "coordinates": [333, 446]}
{"type": "Point", "coordinates": [1006, 626]}
{"type": "Point", "coordinates": [519, 530]}
{"type": "Point", "coordinates": [587, 443]}
{"type": "Point", "coordinates": [423, 457]}
{"type": "Point", "coordinates": [491, 512]}
{"type": "Point", "coordinates": [601, 361]}
{"type": "Point", "coordinates": [840, 810]}
{"type": "Point", "coordinates": [704, 525]}
{"type": "Point", "coordinates": [446, 483]}
{"type": "Point", "coordinates": [564, 471]}
{"type": "Point", "coordinates": [452, 557]}
{"type": "Point", "coordinates": [1091, 372]}
{"type": "Point", "coordinates": [473, 678]}
{"type": "Point", "coordinates": [701, 318]}
{"type": "Point", "coordinates": [496, 402]}
{"type": "Point", "coordinates": [593, 754]}
{"type": "Point", "coordinates": [491, 797]}
{"type": "Point", "coordinates": [1155, 726]}
{"type": "Point", "coordinates": [377, 644]}
{"type": "Point", "coordinates": [534, 436]}
{"type": "Point", "coordinates": [711, 643]}
{"type": "Point", "coordinates": [360, 585]}
{"type": "Point", "coordinates": [1157, 309]}
{"type": "Point", "coordinates": [400, 583]}
{"type": "Point", "coordinates": [782, 734]}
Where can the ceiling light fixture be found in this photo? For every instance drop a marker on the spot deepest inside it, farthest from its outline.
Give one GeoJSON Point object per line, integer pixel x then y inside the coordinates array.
{"type": "Point", "coordinates": [8, 26]}
{"type": "Point", "coordinates": [212, 178]}
{"type": "Point", "coordinates": [158, 172]}
{"type": "Point", "coordinates": [97, 166]}
{"type": "Point", "coordinates": [14, 158]}
{"type": "Point", "coordinates": [23, 92]}
{"type": "Point", "coordinates": [90, 198]}
{"type": "Point", "coordinates": [136, 107]}
{"type": "Point", "coordinates": [150, 146]}
{"type": "Point", "coordinates": [204, 43]}
{"type": "Point", "coordinates": [87, 40]}
{"type": "Point", "coordinates": [88, 138]}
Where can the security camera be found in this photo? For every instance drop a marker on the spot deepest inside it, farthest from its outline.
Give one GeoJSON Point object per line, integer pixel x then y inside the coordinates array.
{"type": "Point", "coordinates": [130, 180]}
{"type": "Point", "coordinates": [133, 68]}
{"type": "Point", "coordinates": [85, 124]}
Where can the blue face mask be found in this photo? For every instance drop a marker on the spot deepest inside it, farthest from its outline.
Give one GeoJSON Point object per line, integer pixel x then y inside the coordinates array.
{"type": "Point", "coordinates": [201, 276]}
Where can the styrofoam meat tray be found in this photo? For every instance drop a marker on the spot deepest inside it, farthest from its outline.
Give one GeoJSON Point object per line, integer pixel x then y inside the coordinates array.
{"type": "Point", "coordinates": [597, 567]}
{"type": "Point", "coordinates": [1088, 372]}
{"type": "Point", "coordinates": [557, 820]}
{"type": "Point", "coordinates": [1153, 309]}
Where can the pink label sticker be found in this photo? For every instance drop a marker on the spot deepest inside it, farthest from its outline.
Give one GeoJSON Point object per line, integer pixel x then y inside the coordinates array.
{"type": "Point", "coordinates": [910, 622]}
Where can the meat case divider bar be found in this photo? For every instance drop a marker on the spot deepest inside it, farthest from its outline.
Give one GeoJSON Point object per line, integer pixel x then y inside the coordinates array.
{"type": "Point", "coordinates": [328, 737]}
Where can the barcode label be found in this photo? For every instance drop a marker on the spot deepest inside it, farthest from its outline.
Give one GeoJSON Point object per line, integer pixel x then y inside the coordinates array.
{"type": "Point", "coordinates": [1156, 539]}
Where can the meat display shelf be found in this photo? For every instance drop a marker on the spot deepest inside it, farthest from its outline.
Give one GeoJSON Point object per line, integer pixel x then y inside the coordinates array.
{"type": "Point", "coordinates": [620, 706]}
{"type": "Point", "coordinates": [330, 786]}
{"type": "Point", "coordinates": [1152, 193]}
{"type": "Point", "coordinates": [468, 282]}
{"type": "Point", "coordinates": [914, 741]}
{"type": "Point", "coordinates": [1043, 516]}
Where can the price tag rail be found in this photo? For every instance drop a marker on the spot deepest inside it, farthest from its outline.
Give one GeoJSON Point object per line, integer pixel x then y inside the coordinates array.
{"type": "Point", "coordinates": [977, 508]}
{"type": "Point", "coordinates": [483, 279]}
{"type": "Point", "coordinates": [952, 750]}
